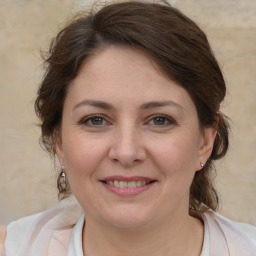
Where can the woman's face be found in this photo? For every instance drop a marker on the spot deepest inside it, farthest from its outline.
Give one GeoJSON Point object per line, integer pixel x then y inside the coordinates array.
{"type": "Point", "coordinates": [130, 141]}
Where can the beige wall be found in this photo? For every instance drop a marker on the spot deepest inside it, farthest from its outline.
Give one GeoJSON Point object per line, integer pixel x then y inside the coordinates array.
{"type": "Point", "coordinates": [26, 173]}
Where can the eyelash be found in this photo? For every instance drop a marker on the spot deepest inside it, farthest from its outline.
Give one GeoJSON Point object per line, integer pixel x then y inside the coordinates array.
{"type": "Point", "coordinates": [170, 121]}
{"type": "Point", "coordinates": [167, 119]}
{"type": "Point", "coordinates": [87, 119]}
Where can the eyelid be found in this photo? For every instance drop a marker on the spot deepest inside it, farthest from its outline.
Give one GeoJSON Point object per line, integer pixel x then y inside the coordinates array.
{"type": "Point", "coordinates": [168, 118]}
{"type": "Point", "coordinates": [85, 119]}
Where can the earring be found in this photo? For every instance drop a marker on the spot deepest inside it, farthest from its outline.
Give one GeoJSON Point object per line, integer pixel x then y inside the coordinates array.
{"type": "Point", "coordinates": [63, 174]}
{"type": "Point", "coordinates": [201, 164]}
{"type": "Point", "coordinates": [62, 182]}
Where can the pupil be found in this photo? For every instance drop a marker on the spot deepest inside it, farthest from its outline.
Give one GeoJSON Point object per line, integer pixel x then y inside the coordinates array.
{"type": "Point", "coordinates": [159, 121]}
{"type": "Point", "coordinates": [97, 121]}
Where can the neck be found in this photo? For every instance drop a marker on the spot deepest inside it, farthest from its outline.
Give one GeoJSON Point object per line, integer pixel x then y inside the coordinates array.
{"type": "Point", "coordinates": [183, 236]}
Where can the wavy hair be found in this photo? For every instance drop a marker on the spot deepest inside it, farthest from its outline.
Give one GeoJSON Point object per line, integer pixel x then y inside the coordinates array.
{"type": "Point", "coordinates": [176, 45]}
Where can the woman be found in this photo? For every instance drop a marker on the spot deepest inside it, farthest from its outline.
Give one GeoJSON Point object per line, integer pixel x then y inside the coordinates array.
{"type": "Point", "coordinates": [130, 104]}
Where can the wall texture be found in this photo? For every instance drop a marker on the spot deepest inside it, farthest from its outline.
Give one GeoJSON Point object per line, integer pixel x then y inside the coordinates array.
{"type": "Point", "coordinates": [27, 177]}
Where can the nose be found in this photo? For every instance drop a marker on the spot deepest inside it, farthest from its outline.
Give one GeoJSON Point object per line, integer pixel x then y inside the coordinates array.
{"type": "Point", "coordinates": [127, 147]}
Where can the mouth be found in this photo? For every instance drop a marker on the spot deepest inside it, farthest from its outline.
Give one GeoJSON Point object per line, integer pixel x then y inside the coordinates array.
{"type": "Point", "coordinates": [127, 185]}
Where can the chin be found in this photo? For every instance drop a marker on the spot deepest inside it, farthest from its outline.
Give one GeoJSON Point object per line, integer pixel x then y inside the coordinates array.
{"type": "Point", "coordinates": [128, 218]}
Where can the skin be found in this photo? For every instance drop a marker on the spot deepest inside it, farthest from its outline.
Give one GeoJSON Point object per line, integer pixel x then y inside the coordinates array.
{"type": "Point", "coordinates": [126, 138]}
{"type": "Point", "coordinates": [2, 238]}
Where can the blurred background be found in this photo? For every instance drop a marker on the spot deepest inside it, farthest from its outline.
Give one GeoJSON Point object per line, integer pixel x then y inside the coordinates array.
{"type": "Point", "coordinates": [27, 175]}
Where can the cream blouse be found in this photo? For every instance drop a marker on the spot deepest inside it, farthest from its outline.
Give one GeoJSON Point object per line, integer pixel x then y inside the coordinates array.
{"type": "Point", "coordinates": [58, 232]}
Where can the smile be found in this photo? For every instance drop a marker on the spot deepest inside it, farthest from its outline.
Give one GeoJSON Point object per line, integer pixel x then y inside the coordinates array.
{"type": "Point", "coordinates": [124, 186]}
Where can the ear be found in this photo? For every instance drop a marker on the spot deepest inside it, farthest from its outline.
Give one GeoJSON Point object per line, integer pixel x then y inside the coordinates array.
{"type": "Point", "coordinates": [59, 147]}
{"type": "Point", "coordinates": [206, 145]}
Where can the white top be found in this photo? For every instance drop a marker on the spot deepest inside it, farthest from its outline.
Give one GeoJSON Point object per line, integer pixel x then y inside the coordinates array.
{"type": "Point", "coordinates": [58, 232]}
{"type": "Point", "coordinates": [75, 245]}
{"type": "Point", "coordinates": [206, 244]}
{"type": "Point", "coordinates": [76, 249]}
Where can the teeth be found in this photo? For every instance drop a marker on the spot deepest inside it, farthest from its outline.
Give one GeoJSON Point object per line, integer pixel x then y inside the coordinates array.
{"type": "Point", "coordinates": [132, 184]}
{"type": "Point", "coordinates": [138, 183]}
{"type": "Point", "coordinates": [116, 183]}
{"type": "Point", "coordinates": [125, 184]}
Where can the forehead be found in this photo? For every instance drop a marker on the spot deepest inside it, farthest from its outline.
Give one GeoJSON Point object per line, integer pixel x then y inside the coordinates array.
{"type": "Point", "coordinates": [126, 74]}
{"type": "Point", "coordinates": [112, 61]}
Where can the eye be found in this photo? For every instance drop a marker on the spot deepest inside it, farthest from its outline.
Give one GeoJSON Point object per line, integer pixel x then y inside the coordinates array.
{"type": "Point", "coordinates": [161, 120]}
{"type": "Point", "coordinates": [94, 120]}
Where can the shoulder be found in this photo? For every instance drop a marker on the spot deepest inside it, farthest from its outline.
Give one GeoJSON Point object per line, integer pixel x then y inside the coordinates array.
{"type": "Point", "coordinates": [239, 237]}
{"type": "Point", "coordinates": [38, 232]}
{"type": "Point", "coordinates": [243, 228]}
{"type": "Point", "coordinates": [246, 229]}
{"type": "Point", "coordinates": [17, 233]}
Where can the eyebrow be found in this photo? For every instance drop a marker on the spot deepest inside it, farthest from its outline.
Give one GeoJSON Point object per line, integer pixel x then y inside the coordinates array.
{"type": "Point", "coordinates": [94, 103]}
{"type": "Point", "coordinates": [157, 104]}
{"type": "Point", "coordinates": [145, 106]}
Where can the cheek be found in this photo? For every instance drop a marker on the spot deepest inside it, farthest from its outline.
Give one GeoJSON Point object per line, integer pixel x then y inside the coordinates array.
{"type": "Point", "coordinates": [82, 154]}
{"type": "Point", "coordinates": [176, 158]}
{"type": "Point", "coordinates": [180, 150]}
{"type": "Point", "coordinates": [82, 158]}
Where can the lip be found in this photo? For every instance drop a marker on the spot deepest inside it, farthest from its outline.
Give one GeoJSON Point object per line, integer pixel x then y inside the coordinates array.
{"type": "Point", "coordinates": [126, 192]}
{"type": "Point", "coordinates": [127, 179]}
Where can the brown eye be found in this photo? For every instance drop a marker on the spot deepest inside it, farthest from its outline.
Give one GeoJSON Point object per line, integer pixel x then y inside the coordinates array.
{"type": "Point", "coordinates": [160, 121]}
{"type": "Point", "coordinates": [96, 121]}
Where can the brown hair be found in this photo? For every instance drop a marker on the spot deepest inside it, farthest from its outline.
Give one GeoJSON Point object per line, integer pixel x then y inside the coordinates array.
{"type": "Point", "coordinates": [175, 43]}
